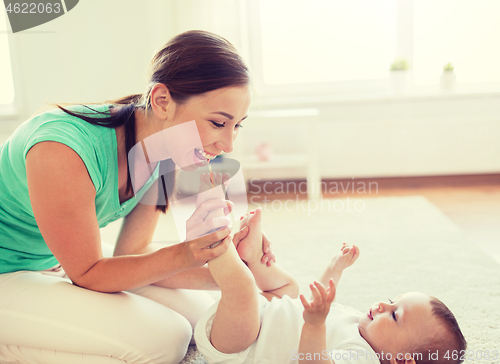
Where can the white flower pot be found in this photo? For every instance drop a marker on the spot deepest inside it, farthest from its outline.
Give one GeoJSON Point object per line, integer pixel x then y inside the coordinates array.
{"type": "Point", "coordinates": [400, 82]}
{"type": "Point", "coordinates": [448, 80]}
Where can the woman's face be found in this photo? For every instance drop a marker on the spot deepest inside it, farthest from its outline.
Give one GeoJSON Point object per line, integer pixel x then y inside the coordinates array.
{"type": "Point", "coordinates": [218, 115]}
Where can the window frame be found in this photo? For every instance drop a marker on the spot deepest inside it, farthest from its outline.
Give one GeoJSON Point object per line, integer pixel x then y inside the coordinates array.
{"type": "Point", "coordinates": [313, 93]}
{"type": "Point", "coordinates": [313, 88]}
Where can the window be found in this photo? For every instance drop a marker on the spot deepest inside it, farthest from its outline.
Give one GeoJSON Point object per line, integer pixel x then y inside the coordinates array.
{"type": "Point", "coordinates": [340, 47]}
{"type": "Point", "coordinates": [465, 33]}
{"type": "Point", "coordinates": [326, 40]}
{"type": "Point", "coordinates": [6, 81]}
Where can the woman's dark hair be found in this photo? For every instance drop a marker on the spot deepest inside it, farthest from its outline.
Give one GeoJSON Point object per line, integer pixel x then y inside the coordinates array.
{"type": "Point", "coordinates": [190, 64]}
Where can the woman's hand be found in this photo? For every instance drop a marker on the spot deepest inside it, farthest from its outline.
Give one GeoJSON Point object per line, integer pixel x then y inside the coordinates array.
{"type": "Point", "coordinates": [268, 256]}
{"type": "Point", "coordinates": [198, 251]}
{"type": "Point", "coordinates": [315, 312]}
{"type": "Point", "coordinates": [197, 226]}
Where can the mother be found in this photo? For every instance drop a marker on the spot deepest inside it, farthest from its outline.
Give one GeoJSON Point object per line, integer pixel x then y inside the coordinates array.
{"type": "Point", "coordinates": [64, 174]}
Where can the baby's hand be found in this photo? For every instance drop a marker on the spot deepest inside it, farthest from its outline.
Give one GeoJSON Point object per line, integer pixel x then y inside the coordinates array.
{"type": "Point", "coordinates": [344, 259]}
{"type": "Point", "coordinates": [315, 312]}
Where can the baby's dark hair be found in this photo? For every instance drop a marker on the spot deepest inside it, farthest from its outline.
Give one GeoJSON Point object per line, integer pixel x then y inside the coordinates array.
{"type": "Point", "coordinates": [450, 343]}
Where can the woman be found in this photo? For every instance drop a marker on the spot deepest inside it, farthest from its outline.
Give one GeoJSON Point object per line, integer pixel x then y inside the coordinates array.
{"type": "Point", "coordinates": [64, 174]}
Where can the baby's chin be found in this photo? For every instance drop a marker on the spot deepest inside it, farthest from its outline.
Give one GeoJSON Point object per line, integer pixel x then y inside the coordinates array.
{"type": "Point", "coordinates": [360, 329]}
{"type": "Point", "coordinates": [361, 326]}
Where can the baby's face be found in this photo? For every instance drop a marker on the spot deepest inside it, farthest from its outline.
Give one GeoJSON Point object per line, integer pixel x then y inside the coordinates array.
{"type": "Point", "coordinates": [396, 326]}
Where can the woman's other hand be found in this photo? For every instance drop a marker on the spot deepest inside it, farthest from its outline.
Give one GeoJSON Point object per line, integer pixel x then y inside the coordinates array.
{"type": "Point", "coordinates": [200, 234]}
{"type": "Point", "coordinates": [268, 256]}
{"type": "Point", "coordinates": [198, 251]}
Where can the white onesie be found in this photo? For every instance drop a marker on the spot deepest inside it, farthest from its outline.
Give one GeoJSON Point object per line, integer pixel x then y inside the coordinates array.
{"type": "Point", "coordinates": [278, 340]}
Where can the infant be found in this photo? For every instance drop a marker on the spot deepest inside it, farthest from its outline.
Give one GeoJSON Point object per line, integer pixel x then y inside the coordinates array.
{"type": "Point", "coordinates": [279, 326]}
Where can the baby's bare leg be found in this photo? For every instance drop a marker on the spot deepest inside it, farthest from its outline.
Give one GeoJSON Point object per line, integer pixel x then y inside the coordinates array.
{"type": "Point", "coordinates": [274, 281]}
{"type": "Point", "coordinates": [237, 320]}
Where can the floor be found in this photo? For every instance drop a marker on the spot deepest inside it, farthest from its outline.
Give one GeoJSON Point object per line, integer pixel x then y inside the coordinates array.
{"type": "Point", "coordinates": [471, 202]}
{"type": "Point", "coordinates": [476, 210]}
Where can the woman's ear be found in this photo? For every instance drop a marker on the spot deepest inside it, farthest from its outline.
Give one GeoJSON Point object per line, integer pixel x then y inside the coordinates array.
{"type": "Point", "coordinates": [161, 101]}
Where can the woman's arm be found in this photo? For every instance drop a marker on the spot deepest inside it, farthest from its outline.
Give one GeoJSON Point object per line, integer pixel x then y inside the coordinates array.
{"type": "Point", "coordinates": [135, 238]}
{"type": "Point", "coordinates": [63, 201]}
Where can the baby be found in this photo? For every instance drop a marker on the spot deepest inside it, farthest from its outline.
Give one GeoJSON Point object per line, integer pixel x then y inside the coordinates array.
{"type": "Point", "coordinates": [277, 327]}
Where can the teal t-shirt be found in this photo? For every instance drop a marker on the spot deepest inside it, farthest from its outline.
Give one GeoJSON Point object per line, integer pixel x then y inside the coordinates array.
{"type": "Point", "coordinates": [22, 246]}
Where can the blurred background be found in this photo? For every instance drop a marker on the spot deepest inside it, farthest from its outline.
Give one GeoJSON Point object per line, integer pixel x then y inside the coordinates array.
{"type": "Point", "coordinates": [403, 94]}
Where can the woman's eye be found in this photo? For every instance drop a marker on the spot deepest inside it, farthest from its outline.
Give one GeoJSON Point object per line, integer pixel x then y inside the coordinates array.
{"type": "Point", "coordinates": [391, 301]}
{"type": "Point", "coordinates": [237, 126]}
{"type": "Point", "coordinates": [217, 125]}
{"type": "Point", "coordinates": [394, 316]}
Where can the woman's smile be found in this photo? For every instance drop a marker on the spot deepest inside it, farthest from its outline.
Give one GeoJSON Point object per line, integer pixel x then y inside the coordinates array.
{"type": "Point", "coordinates": [202, 155]}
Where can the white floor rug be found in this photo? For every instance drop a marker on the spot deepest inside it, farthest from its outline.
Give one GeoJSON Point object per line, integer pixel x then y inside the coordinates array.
{"type": "Point", "coordinates": [407, 244]}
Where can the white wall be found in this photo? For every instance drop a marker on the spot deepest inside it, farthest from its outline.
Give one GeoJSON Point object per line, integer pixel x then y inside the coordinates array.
{"type": "Point", "coordinates": [91, 54]}
{"type": "Point", "coordinates": [441, 135]}
{"type": "Point", "coordinates": [219, 16]}
{"type": "Point", "coordinates": [101, 50]}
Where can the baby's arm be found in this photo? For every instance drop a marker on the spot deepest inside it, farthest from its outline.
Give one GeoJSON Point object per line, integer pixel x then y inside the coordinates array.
{"type": "Point", "coordinates": [313, 335]}
{"type": "Point", "coordinates": [342, 260]}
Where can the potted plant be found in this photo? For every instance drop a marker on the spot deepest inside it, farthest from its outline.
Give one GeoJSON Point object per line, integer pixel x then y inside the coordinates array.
{"type": "Point", "coordinates": [399, 76]}
{"type": "Point", "coordinates": [448, 78]}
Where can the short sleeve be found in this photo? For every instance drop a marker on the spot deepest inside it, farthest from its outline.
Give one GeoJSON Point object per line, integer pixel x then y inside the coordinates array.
{"type": "Point", "coordinates": [74, 137]}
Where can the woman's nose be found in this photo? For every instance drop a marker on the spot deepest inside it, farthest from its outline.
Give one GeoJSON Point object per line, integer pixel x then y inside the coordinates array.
{"type": "Point", "coordinates": [226, 142]}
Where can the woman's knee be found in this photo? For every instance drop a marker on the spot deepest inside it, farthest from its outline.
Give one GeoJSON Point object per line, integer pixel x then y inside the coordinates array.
{"type": "Point", "coordinates": [171, 340]}
{"type": "Point", "coordinates": [121, 325]}
{"type": "Point", "coordinates": [197, 303]}
{"type": "Point", "coordinates": [191, 304]}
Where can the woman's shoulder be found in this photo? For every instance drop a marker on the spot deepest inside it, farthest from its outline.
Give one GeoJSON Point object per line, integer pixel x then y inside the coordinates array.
{"type": "Point", "coordinates": [94, 144]}
{"type": "Point", "coordinates": [57, 120]}
{"type": "Point", "coordinates": [59, 115]}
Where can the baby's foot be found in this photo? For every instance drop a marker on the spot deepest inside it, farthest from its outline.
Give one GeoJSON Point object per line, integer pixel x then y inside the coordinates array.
{"type": "Point", "coordinates": [208, 183]}
{"type": "Point", "coordinates": [250, 248]}
{"type": "Point", "coordinates": [346, 257]}
{"type": "Point", "coordinates": [211, 188]}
